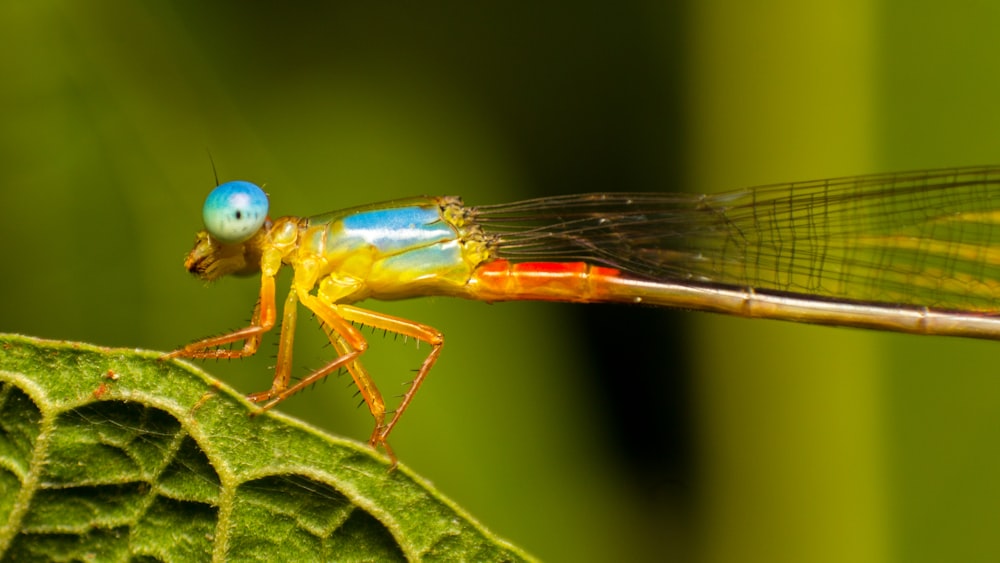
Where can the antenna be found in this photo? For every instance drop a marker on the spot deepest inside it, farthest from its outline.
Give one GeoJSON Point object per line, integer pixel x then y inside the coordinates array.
{"type": "Point", "coordinates": [214, 171]}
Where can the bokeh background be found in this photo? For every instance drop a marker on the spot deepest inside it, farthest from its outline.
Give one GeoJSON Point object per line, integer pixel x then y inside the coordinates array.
{"type": "Point", "coordinates": [579, 433]}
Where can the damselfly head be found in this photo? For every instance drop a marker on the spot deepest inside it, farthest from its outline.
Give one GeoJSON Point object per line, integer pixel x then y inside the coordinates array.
{"type": "Point", "coordinates": [211, 258]}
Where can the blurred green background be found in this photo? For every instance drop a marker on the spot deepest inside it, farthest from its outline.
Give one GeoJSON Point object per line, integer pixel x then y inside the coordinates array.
{"type": "Point", "coordinates": [579, 433]}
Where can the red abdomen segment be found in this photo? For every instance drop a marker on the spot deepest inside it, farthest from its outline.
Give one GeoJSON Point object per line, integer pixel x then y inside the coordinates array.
{"type": "Point", "coordinates": [544, 281]}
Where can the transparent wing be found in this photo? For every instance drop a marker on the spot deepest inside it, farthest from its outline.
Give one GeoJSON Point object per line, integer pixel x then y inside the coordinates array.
{"type": "Point", "coordinates": [928, 238]}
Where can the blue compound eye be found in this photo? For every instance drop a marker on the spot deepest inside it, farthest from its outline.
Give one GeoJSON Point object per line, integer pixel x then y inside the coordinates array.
{"type": "Point", "coordinates": [234, 211]}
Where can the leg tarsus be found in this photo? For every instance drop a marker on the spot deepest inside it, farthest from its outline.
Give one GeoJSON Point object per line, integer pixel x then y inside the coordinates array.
{"type": "Point", "coordinates": [262, 321]}
{"type": "Point", "coordinates": [393, 461]}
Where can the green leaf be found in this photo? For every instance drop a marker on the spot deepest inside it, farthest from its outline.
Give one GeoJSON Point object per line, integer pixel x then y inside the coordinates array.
{"type": "Point", "coordinates": [110, 454]}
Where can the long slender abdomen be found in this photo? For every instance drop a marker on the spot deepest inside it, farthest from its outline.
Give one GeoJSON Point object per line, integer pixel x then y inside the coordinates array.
{"type": "Point", "coordinates": [580, 282]}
